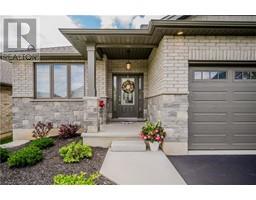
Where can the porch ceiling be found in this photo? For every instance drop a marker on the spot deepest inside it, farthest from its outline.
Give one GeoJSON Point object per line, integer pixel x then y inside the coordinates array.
{"type": "Point", "coordinates": [115, 42]}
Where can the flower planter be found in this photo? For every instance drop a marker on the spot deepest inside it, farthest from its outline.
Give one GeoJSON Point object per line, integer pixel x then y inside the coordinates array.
{"type": "Point", "coordinates": [154, 146]}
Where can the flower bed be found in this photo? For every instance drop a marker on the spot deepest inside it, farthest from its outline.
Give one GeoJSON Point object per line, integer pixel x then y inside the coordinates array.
{"type": "Point", "coordinates": [52, 164]}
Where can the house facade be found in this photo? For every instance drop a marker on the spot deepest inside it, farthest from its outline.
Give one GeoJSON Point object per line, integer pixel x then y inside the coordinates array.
{"type": "Point", "coordinates": [196, 74]}
{"type": "Point", "coordinates": [5, 99]}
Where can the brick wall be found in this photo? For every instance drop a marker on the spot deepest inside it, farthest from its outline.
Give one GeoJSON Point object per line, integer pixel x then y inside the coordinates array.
{"type": "Point", "coordinates": [6, 109]}
{"type": "Point", "coordinates": [155, 70]}
{"type": "Point", "coordinates": [23, 81]}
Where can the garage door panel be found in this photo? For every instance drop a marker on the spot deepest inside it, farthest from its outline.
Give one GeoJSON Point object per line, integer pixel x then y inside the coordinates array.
{"type": "Point", "coordinates": [244, 139]}
{"type": "Point", "coordinates": [243, 107]}
{"type": "Point", "coordinates": [244, 117]}
{"type": "Point", "coordinates": [216, 139]}
{"type": "Point", "coordinates": [209, 107]}
{"type": "Point", "coordinates": [243, 128]}
{"type": "Point", "coordinates": [209, 117]}
{"type": "Point", "coordinates": [209, 127]}
{"type": "Point", "coordinates": [222, 113]}
{"type": "Point", "coordinates": [244, 96]}
{"type": "Point", "coordinates": [209, 96]}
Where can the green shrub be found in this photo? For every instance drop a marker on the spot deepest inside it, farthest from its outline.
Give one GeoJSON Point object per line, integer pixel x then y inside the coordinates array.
{"type": "Point", "coordinates": [74, 152]}
{"type": "Point", "coordinates": [75, 179]}
{"type": "Point", "coordinates": [43, 143]}
{"type": "Point", "coordinates": [4, 154]}
{"type": "Point", "coordinates": [26, 156]}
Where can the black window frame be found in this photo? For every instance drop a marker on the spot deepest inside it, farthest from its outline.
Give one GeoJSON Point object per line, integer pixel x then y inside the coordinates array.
{"type": "Point", "coordinates": [51, 74]}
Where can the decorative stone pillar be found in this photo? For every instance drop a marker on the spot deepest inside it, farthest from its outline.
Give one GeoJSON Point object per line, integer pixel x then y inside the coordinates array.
{"type": "Point", "coordinates": [91, 114]}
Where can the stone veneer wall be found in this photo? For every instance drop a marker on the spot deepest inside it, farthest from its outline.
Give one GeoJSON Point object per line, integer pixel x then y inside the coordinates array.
{"type": "Point", "coordinates": [6, 109]}
{"type": "Point", "coordinates": [169, 103]}
{"type": "Point", "coordinates": [118, 66]}
{"type": "Point", "coordinates": [27, 110]}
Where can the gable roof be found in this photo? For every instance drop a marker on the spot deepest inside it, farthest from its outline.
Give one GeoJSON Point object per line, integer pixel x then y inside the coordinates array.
{"type": "Point", "coordinates": [5, 73]}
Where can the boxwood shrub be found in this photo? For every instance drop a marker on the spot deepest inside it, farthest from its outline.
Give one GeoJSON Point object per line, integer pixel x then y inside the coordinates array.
{"type": "Point", "coordinates": [4, 154]}
{"type": "Point", "coordinates": [43, 143]}
{"type": "Point", "coordinates": [75, 152]}
{"type": "Point", "coordinates": [75, 179]}
{"type": "Point", "coordinates": [26, 156]}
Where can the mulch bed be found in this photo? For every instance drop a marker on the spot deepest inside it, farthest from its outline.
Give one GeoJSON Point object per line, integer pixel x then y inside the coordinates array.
{"type": "Point", "coordinates": [52, 164]}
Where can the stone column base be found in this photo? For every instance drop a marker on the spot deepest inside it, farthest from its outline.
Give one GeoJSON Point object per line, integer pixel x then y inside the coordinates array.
{"type": "Point", "coordinates": [91, 114]}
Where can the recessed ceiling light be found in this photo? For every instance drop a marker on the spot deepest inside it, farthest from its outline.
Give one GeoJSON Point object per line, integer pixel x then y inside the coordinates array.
{"type": "Point", "coordinates": [180, 33]}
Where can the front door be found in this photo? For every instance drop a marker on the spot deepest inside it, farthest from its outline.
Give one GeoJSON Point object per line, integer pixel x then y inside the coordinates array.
{"type": "Point", "coordinates": [127, 96]}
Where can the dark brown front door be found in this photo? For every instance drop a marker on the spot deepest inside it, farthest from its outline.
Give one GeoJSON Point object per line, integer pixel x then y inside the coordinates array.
{"type": "Point", "coordinates": [128, 95]}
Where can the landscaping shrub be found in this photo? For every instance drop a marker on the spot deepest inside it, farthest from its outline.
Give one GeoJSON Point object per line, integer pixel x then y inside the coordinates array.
{"type": "Point", "coordinates": [42, 129]}
{"type": "Point", "coordinates": [4, 154]}
{"type": "Point", "coordinates": [75, 179]}
{"type": "Point", "coordinates": [26, 156]}
{"type": "Point", "coordinates": [74, 152]}
{"type": "Point", "coordinates": [43, 143]}
{"type": "Point", "coordinates": [68, 130]}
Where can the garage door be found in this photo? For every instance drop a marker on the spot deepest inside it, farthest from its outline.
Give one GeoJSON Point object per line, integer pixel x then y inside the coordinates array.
{"type": "Point", "coordinates": [222, 108]}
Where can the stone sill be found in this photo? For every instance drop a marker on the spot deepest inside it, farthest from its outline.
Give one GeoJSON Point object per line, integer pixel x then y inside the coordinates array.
{"type": "Point", "coordinates": [56, 100]}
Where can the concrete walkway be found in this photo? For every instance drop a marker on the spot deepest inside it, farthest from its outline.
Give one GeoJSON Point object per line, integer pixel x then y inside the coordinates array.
{"type": "Point", "coordinates": [140, 168]}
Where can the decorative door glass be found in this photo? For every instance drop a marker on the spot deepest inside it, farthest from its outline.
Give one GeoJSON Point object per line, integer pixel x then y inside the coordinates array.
{"type": "Point", "coordinates": [127, 91]}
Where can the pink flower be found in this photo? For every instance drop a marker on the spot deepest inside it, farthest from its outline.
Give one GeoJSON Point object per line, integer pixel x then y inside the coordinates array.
{"type": "Point", "coordinates": [158, 138]}
{"type": "Point", "coordinates": [145, 137]}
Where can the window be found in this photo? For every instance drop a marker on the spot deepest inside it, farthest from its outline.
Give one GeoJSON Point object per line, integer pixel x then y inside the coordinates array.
{"type": "Point", "coordinates": [209, 75]}
{"type": "Point", "coordinates": [197, 75]}
{"type": "Point", "coordinates": [43, 80]}
{"type": "Point", "coordinates": [77, 80]}
{"type": "Point", "coordinates": [59, 80]}
{"type": "Point", "coordinates": [245, 75]}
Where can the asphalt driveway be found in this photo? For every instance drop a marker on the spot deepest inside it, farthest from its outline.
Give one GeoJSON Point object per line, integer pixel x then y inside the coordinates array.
{"type": "Point", "coordinates": [216, 169]}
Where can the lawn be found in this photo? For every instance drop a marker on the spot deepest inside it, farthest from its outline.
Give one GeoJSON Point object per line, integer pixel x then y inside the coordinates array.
{"type": "Point", "coordinates": [52, 164]}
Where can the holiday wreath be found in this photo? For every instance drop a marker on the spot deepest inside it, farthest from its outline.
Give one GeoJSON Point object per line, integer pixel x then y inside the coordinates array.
{"type": "Point", "coordinates": [128, 86]}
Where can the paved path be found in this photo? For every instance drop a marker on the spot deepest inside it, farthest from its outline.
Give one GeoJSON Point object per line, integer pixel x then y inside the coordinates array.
{"type": "Point", "coordinates": [140, 168]}
{"type": "Point", "coordinates": [216, 169]}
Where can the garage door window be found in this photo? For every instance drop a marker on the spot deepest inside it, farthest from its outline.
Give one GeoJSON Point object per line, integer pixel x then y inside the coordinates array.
{"type": "Point", "coordinates": [210, 75]}
{"type": "Point", "coordinates": [246, 75]}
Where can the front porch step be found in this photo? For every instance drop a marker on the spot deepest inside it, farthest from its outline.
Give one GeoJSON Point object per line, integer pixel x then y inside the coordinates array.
{"type": "Point", "coordinates": [127, 119]}
{"type": "Point", "coordinates": [105, 140]}
{"type": "Point", "coordinates": [128, 146]}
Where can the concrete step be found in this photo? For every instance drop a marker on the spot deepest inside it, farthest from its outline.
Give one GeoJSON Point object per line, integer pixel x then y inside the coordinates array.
{"type": "Point", "coordinates": [128, 146]}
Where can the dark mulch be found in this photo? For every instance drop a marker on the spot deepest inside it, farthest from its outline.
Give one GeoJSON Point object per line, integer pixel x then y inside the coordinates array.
{"type": "Point", "coordinates": [216, 169]}
{"type": "Point", "coordinates": [52, 164]}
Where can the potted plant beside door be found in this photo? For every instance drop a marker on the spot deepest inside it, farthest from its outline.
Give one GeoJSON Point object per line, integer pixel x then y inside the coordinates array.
{"type": "Point", "coordinates": [154, 134]}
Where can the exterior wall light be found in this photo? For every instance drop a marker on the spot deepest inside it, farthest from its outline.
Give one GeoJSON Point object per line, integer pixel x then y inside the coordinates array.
{"type": "Point", "coordinates": [128, 64]}
{"type": "Point", "coordinates": [180, 33]}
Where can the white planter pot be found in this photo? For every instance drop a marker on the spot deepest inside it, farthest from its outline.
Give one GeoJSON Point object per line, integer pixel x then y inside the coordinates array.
{"type": "Point", "coordinates": [154, 146]}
